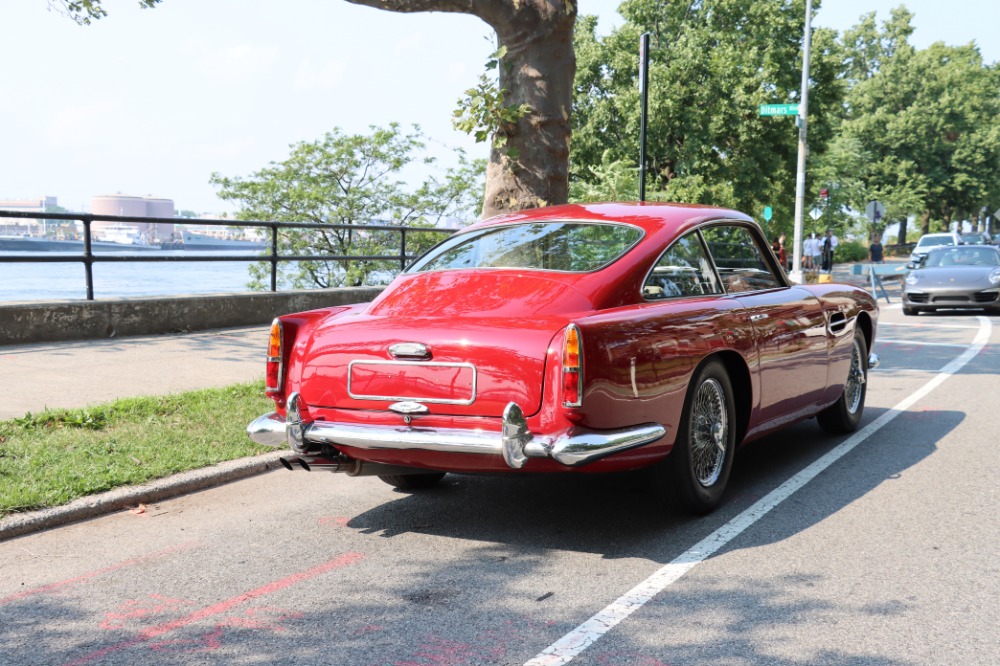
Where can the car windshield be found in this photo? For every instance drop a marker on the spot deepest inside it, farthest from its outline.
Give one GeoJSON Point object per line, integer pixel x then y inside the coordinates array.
{"type": "Point", "coordinates": [927, 241]}
{"type": "Point", "coordinates": [577, 247]}
{"type": "Point", "coordinates": [972, 238]}
{"type": "Point", "coordinates": [963, 256]}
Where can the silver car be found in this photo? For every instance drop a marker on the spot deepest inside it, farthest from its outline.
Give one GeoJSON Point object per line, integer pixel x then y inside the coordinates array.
{"type": "Point", "coordinates": [961, 277]}
{"type": "Point", "coordinates": [928, 242]}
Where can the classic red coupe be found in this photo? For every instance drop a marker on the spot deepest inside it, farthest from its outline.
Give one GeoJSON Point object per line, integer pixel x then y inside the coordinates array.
{"type": "Point", "coordinates": [577, 338]}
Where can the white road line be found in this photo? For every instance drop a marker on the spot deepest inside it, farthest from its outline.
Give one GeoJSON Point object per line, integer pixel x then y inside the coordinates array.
{"type": "Point", "coordinates": [576, 641]}
{"type": "Point", "coordinates": [883, 341]}
{"type": "Point", "coordinates": [912, 324]}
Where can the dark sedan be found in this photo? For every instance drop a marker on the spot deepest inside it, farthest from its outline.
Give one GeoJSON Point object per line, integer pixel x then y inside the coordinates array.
{"type": "Point", "coordinates": [963, 277]}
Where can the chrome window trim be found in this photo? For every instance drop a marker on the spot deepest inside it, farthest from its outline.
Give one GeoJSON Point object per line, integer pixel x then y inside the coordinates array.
{"type": "Point", "coordinates": [612, 223]}
{"type": "Point", "coordinates": [765, 250]}
{"type": "Point", "coordinates": [696, 232]}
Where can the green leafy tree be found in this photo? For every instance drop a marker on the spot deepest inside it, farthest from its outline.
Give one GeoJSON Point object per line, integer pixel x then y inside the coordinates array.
{"type": "Point", "coordinates": [929, 120]}
{"type": "Point", "coordinates": [712, 63]}
{"type": "Point", "coordinates": [354, 181]}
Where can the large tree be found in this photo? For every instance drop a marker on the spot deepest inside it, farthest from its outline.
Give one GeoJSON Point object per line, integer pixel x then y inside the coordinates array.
{"type": "Point", "coordinates": [529, 167]}
{"type": "Point", "coordinates": [928, 119]}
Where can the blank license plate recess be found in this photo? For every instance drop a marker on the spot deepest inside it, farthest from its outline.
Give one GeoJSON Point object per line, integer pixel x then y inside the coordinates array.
{"type": "Point", "coordinates": [442, 383]}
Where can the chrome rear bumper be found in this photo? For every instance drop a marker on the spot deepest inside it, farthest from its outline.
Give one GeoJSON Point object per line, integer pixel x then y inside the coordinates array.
{"type": "Point", "coordinates": [575, 447]}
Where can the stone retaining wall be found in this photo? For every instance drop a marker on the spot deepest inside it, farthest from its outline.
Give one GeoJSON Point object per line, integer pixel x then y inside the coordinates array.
{"type": "Point", "coordinates": [23, 323]}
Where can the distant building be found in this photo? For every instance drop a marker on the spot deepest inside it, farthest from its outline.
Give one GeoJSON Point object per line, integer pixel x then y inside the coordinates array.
{"type": "Point", "coordinates": [30, 227]}
{"type": "Point", "coordinates": [39, 205]}
{"type": "Point", "coordinates": [127, 206]}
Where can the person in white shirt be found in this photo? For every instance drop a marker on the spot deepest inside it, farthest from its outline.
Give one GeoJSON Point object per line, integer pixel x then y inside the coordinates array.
{"type": "Point", "coordinates": [817, 252]}
{"type": "Point", "coordinates": [807, 251]}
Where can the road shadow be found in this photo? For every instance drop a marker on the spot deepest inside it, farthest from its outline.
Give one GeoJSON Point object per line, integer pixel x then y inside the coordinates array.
{"type": "Point", "coordinates": [618, 517]}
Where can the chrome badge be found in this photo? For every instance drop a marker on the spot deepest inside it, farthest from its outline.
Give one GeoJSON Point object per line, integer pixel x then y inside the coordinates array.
{"type": "Point", "coordinates": [408, 407]}
{"type": "Point", "coordinates": [416, 350]}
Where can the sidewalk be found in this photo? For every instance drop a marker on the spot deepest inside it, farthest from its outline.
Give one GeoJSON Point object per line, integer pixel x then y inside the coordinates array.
{"type": "Point", "coordinates": [81, 373]}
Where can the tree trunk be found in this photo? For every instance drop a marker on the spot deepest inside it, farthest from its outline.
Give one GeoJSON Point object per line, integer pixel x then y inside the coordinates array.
{"type": "Point", "coordinates": [538, 70]}
{"type": "Point", "coordinates": [925, 222]}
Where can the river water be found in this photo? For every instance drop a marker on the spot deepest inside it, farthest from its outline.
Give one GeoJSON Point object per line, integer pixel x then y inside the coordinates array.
{"type": "Point", "coordinates": [67, 281]}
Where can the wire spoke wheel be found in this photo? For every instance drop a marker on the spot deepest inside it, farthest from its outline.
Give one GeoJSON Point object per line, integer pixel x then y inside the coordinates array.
{"type": "Point", "coordinates": [709, 429]}
{"type": "Point", "coordinates": [845, 415]}
{"type": "Point", "coordinates": [854, 390]}
{"type": "Point", "coordinates": [696, 472]}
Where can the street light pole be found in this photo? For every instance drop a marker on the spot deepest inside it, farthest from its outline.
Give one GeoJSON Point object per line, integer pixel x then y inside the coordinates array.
{"type": "Point", "coordinates": [800, 174]}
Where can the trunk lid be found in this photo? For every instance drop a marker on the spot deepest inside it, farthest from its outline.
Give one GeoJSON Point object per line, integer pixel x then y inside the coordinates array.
{"type": "Point", "coordinates": [459, 347]}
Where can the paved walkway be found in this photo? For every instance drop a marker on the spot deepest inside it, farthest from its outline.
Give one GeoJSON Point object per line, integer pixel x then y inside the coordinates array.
{"type": "Point", "coordinates": [81, 373]}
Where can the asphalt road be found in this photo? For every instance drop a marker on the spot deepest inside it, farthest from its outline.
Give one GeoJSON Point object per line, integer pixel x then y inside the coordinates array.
{"type": "Point", "coordinates": [880, 548]}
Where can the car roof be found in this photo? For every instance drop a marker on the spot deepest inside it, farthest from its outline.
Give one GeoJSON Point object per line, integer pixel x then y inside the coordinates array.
{"type": "Point", "coordinates": [653, 218]}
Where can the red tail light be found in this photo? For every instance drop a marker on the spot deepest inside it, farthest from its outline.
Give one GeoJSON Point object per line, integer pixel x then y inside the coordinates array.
{"type": "Point", "coordinates": [274, 377]}
{"type": "Point", "coordinates": [572, 367]}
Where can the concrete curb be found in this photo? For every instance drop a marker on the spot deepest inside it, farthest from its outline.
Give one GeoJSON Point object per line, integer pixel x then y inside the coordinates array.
{"type": "Point", "coordinates": [19, 524]}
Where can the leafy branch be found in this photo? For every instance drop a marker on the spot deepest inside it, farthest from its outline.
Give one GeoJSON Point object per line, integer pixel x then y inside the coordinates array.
{"type": "Point", "coordinates": [483, 111]}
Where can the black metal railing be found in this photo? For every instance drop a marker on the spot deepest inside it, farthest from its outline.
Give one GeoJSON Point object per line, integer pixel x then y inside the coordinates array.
{"type": "Point", "coordinates": [88, 258]}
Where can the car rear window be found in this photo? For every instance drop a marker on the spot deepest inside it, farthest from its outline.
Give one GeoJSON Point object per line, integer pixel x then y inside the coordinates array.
{"type": "Point", "coordinates": [577, 247]}
{"type": "Point", "coordinates": [935, 240]}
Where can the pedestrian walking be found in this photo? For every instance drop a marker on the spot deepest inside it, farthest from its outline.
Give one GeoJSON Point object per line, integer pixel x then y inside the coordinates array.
{"type": "Point", "coordinates": [876, 251]}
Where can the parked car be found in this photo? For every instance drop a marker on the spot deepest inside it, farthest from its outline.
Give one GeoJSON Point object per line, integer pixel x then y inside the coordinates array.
{"type": "Point", "coordinates": [578, 338]}
{"type": "Point", "coordinates": [977, 238]}
{"type": "Point", "coordinates": [964, 277]}
{"type": "Point", "coordinates": [928, 242]}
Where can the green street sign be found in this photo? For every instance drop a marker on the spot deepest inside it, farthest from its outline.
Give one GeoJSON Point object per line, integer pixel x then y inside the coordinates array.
{"type": "Point", "coordinates": [768, 213]}
{"type": "Point", "coordinates": [779, 109]}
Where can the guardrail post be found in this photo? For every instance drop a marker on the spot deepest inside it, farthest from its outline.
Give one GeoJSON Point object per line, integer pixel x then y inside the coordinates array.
{"type": "Point", "coordinates": [88, 258]}
{"type": "Point", "coordinates": [402, 249]}
{"type": "Point", "coordinates": [274, 257]}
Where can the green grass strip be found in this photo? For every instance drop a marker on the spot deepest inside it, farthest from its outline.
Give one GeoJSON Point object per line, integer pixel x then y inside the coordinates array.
{"type": "Point", "coordinates": [51, 458]}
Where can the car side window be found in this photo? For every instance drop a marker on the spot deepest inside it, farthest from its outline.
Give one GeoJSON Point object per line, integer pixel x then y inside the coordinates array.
{"type": "Point", "coordinates": [683, 270]}
{"type": "Point", "coordinates": [739, 259]}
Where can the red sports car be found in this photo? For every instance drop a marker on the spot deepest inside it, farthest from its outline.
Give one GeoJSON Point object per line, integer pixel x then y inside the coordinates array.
{"type": "Point", "coordinates": [578, 338]}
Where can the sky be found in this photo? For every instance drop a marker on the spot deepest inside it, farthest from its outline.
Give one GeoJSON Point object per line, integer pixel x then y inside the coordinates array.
{"type": "Point", "coordinates": [152, 102]}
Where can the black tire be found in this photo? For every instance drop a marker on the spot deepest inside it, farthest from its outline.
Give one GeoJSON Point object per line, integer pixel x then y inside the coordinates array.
{"type": "Point", "coordinates": [412, 481]}
{"type": "Point", "coordinates": [844, 415]}
{"type": "Point", "coordinates": [697, 469]}
{"type": "Point", "coordinates": [909, 310]}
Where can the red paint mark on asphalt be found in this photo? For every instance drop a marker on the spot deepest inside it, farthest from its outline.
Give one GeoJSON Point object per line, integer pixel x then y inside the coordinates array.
{"type": "Point", "coordinates": [254, 618]}
{"type": "Point", "coordinates": [149, 634]}
{"type": "Point", "coordinates": [336, 521]}
{"type": "Point", "coordinates": [136, 608]}
{"type": "Point", "coordinates": [83, 578]}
